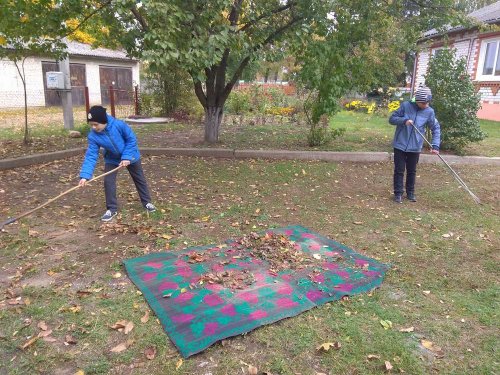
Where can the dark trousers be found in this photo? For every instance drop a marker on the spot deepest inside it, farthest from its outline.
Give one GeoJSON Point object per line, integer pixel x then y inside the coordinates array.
{"type": "Point", "coordinates": [137, 175]}
{"type": "Point", "coordinates": [405, 160]}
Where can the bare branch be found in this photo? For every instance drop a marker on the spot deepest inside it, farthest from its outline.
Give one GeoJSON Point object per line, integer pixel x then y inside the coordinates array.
{"type": "Point", "coordinates": [269, 14]}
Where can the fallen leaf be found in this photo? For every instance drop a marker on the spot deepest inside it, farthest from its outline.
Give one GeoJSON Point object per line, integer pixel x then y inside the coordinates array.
{"type": "Point", "coordinates": [145, 318]}
{"type": "Point", "coordinates": [357, 222]}
{"type": "Point", "coordinates": [30, 342]}
{"type": "Point", "coordinates": [433, 348]}
{"type": "Point", "coordinates": [387, 324]}
{"type": "Point", "coordinates": [42, 325]}
{"type": "Point", "coordinates": [327, 345]}
{"type": "Point", "coordinates": [371, 357]}
{"type": "Point", "coordinates": [150, 352]}
{"type": "Point", "coordinates": [388, 366]}
{"type": "Point", "coordinates": [252, 370]}
{"type": "Point", "coordinates": [410, 329]}
{"type": "Point", "coordinates": [79, 372]}
{"type": "Point", "coordinates": [426, 292]}
{"type": "Point", "coordinates": [179, 364]}
{"type": "Point", "coordinates": [45, 333]}
{"type": "Point", "coordinates": [128, 327]}
{"type": "Point", "coordinates": [68, 339]}
{"type": "Point", "coordinates": [123, 346]}
{"type": "Point", "coordinates": [117, 275]}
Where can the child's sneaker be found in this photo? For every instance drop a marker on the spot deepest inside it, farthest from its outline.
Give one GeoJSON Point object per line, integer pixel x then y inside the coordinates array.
{"type": "Point", "coordinates": [108, 215]}
{"type": "Point", "coordinates": [150, 207]}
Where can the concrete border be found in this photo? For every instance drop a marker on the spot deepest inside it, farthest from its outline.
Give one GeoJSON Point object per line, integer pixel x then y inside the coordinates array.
{"type": "Point", "coordinates": [24, 161]}
{"type": "Point", "coordinates": [367, 157]}
{"type": "Point", "coordinates": [314, 155]}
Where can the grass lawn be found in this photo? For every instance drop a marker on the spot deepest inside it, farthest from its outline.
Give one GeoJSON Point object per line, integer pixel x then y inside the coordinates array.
{"type": "Point", "coordinates": [363, 133]}
{"type": "Point", "coordinates": [61, 270]}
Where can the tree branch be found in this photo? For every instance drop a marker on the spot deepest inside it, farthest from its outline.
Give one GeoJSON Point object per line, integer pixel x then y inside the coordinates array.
{"type": "Point", "coordinates": [245, 61]}
{"type": "Point", "coordinates": [262, 16]}
{"type": "Point", "coordinates": [198, 89]}
{"type": "Point", "coordinates": [87, 17]}
{"type": "Point", "coordinates": [235, 12]}
{"type": "Point", "coordinates": [138, 16]}
{"type": "Point", "coordinates": [220, 79]}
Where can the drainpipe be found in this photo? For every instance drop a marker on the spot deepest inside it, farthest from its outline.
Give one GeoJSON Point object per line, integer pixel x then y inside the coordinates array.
{"type": "Point", "coordinates": [414, 76]}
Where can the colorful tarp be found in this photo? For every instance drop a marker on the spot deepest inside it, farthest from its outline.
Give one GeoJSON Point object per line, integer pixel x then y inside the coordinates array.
{"type": "Point", "coordinates": [195, 314]}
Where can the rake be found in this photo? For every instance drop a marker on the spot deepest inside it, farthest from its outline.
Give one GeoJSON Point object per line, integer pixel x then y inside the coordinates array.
{"type": "Point", "coordinates": [14, 219]}
{"type": "Point", "coordinates": [455, 174]}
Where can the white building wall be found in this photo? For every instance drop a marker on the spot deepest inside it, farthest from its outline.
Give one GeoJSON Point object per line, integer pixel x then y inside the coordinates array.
{"type": "Point", "coordinates": [422, 64]}
{"type": "Point", "coordinates": [11, 87]}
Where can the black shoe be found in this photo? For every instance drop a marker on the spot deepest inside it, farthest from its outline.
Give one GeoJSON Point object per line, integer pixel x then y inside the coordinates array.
{"type": "Point", "coordinates": [398, 198]}
{"type": "Point", "coordinates": [411, 197]}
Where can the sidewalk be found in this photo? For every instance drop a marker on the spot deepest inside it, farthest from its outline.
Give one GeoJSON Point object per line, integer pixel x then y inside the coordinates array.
{"type": "Point", "coordinates": [365, 157]}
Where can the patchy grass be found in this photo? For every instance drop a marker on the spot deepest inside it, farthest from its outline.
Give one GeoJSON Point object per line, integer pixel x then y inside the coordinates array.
{"type": "Point", "coordinates": [62, 267]}
{"type": "Point", "coordinates": [363, 133]}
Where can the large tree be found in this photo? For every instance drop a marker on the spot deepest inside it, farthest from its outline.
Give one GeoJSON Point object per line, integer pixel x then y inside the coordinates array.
{"type": "Point", "coordinates": [215, 40]}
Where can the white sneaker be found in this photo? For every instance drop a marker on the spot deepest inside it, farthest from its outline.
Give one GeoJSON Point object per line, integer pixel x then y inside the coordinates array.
{"type": "Point", "coordinates": [150, 207]}
{"type": "Point", "coordinates": [108, 215]}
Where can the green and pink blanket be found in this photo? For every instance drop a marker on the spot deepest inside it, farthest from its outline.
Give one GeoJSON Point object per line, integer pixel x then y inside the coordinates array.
{"type": "Point", "coordinates": [205, 294]}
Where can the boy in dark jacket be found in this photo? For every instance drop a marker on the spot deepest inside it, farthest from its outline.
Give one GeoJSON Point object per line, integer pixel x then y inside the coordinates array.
{"type": "Point", "coordinates": [408, 143]}
{"type": "Point", "coordinates": [120, 148]}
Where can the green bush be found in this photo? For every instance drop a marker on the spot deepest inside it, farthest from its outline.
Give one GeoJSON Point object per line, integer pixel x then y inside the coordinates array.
{"type": "Point", "coordinates": [167, 91]}
{"type": "Point", "coordinates": [454, 100]}
{"type": "Point", "coordinates": [321, 134]}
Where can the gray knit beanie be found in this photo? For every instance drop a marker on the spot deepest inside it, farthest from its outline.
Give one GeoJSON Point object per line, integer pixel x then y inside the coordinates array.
{"type": "Point", "coordinates": [423, 94]}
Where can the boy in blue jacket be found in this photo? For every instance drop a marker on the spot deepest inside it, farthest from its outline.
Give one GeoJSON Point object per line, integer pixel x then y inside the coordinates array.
{"type": "Point", "coordinates": [408, 143]}
{"type": "Point", "coordinates": [120, 148]}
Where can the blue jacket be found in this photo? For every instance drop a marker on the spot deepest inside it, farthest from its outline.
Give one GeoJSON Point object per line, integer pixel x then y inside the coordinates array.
{"type": "Point", "coordinates": [117, 140]}
{"type": "Point", "coordinates": [405, 137]}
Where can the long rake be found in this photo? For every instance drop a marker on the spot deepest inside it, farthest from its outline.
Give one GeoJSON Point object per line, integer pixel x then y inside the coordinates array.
{"type": "Point", "coordinates": [455, 174]}
{"type": "Point", "coordinates": [14, 219]}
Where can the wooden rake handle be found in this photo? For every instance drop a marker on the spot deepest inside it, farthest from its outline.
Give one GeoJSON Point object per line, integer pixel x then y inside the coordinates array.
{"type": "Point", "coordinates": [14, 219]}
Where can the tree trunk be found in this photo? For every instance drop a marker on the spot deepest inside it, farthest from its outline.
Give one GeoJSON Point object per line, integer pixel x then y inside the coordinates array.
{"type": "Point", "coordinates": [213, 119]}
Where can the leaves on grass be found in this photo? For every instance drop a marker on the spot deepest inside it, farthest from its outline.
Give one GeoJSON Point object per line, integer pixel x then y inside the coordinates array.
{"type": "Point", "coordinates": [123, 326]}
{"type": "Point", "coordinates": [42, 325]}
{"type": "Point", "coordinates": [409, 329]}
{"type": "Point", "coordinates": [145, 318]}
{"type": "Point", "coordinates": [387, 324]}
{"type": "Point", "coordinates": [388, 366]}
{"type": "Point", "coordinates": [328, 345]}
{"type": "Point", "coordinates": [179, 364]}
{"type": "Point", "coordinates": [429, 345]}
{"type": "Point", "coordinates": [150, 352]}
{"type": "Point", "coordinates": [372, 357]}
{"type": "Point", "coordinates": [30, 342]}
{"type": "Point", "coordinates": [68, 339]}
{"type": "Point", "coordinates": [123, 346]}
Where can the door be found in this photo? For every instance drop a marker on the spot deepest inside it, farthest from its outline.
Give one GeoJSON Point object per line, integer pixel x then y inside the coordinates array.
{"type": "Point", "coordinates": [121, 80]}
{"type": "Point", "coordinates": [52, 97]}
{"type": "Point", "coordinates": [78, 81]}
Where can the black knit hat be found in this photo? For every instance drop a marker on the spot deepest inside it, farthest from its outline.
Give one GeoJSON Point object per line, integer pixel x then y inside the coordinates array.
{"type": "Point", "coordinates": [97, 114]}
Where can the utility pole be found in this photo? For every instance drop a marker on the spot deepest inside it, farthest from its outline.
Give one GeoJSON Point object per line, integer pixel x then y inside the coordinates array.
{"type": "Point", "coordinates": [67, 101]}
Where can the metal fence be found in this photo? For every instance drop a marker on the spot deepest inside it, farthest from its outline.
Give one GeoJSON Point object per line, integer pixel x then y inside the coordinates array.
{"type": "Point", "coordinates": [119, 103]}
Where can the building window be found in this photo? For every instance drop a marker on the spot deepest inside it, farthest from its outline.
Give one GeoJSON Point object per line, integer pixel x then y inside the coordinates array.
{"type": "Point", "coordinates": [489, 61]}
{"type": "Point", "coordinates": [437, 51]}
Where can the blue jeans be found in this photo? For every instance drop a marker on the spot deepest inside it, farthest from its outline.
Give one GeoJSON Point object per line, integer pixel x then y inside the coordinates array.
{"type": "Point", "coordinates": [137, 174]}
{"type": "Point", "coordinates": [405, 160]}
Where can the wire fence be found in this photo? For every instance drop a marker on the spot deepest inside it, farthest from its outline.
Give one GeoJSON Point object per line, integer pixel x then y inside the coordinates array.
{"type": "Point", "coordinates": [41, 116]}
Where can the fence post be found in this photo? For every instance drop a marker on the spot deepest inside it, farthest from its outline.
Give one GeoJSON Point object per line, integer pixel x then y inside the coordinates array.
{"type": "Point", "coordinates": [136, 99]}
{"type": "Point", "coordinates": [87, 102]}
{"type": "Point", "coordinates": [112, 100]}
